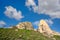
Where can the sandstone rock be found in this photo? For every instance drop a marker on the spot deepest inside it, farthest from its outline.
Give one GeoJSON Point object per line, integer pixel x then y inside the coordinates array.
{"type": "Point", "coordinates": [44, 28]}
{"type": "Point", "coordinates": [56, 33]}
{"type": "Point", "coordinates": [25, 25]}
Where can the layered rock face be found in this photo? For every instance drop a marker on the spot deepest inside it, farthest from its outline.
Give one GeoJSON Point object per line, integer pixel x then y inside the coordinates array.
{"type": "Point", "coordinates": [44, 28]}
{"type": "Point", "coordinates": [25, 25]}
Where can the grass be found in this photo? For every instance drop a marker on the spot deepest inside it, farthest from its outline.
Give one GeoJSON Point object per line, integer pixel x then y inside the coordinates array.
{"type": "Point", "coordinates": [57, 37]}
{"type": "Point", "coordinates": [19, 34]}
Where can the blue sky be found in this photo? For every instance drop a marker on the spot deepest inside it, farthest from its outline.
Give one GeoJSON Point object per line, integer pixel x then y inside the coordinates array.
{"type": "Point", "coordinates": [13, 12]}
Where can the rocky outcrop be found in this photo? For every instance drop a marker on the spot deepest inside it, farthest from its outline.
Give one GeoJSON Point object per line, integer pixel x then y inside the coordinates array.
{"type": "Point", "coordinates": [25, 25]}
{"type": "Point", "coordinates": [45, 29]}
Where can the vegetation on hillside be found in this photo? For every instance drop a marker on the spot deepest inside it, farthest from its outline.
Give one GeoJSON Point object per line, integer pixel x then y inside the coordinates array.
{"type": "Point", "coordinates": [20, 34]}
{"type": "Point", "coordinates": [57, 37]}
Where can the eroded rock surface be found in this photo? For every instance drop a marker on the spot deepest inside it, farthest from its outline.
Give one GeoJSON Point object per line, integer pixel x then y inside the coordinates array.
{"type": "Point", "coordinates": [44, 28]}
{"type": "Point", "coordinates": [25, 25]}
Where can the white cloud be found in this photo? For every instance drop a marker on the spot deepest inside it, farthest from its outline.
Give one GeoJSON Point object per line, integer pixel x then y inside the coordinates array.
{"type": "Point", "coordinates": [36, 23]}
{"type": "Point", "coordinates": [13, 13]}
{"type": "Point", "coordinates": [49, 21]}
{"type": "Point", "coordinates": [31, 5]}
{"type": "Point", "coordinates": [2, 23]}
{"type": "Point", "coordinates": [49, 7]}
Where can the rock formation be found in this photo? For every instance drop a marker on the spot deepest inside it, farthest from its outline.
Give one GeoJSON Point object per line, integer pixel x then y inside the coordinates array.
{"type": "Point", "coordinates": [45, 29]}
{"type": "Point", "coordinates": [25, 25]}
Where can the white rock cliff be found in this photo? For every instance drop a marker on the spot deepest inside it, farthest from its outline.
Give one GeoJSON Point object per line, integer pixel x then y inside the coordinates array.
{"type": "Point", "coordinates": [45, 29]}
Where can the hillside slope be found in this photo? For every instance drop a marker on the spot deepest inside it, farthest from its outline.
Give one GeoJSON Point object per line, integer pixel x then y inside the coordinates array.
{"type": "Point", "coordinates": [20, 34]}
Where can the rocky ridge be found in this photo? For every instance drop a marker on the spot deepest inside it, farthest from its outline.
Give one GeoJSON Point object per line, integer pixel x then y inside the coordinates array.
{"type": "Point", "coordinates": [43, 28]}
